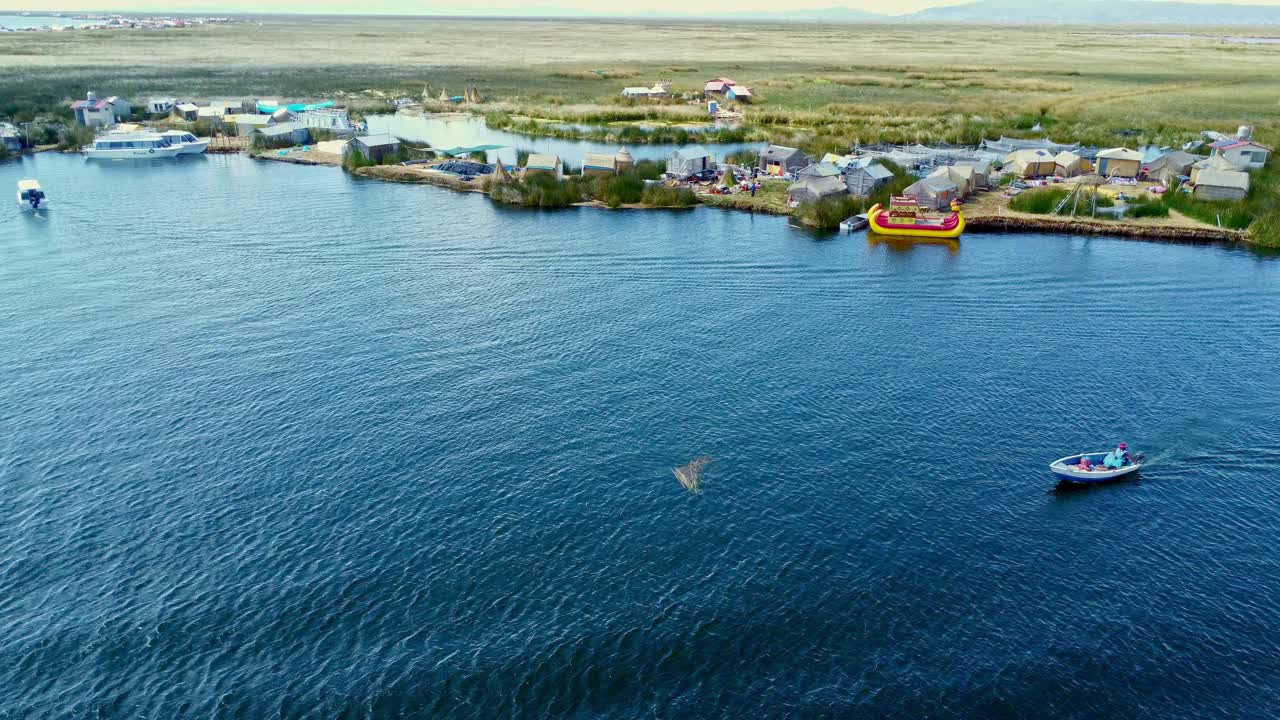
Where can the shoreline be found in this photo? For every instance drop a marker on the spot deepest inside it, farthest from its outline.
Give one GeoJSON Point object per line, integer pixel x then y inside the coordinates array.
{"type": "Point", "coordinates": [984, 221]}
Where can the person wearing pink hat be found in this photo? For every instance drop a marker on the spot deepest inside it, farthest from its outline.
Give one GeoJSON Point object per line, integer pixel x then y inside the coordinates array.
{"type": "Point", "coordinates": [1117, 458]}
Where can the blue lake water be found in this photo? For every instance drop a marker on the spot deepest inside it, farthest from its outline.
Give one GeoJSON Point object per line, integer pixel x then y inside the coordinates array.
{"type": "Point", "coordinates": [19, 22]}
{"type": "Point", "coordinates": [451, 132]}
{"type": "Point", "coordinates": [282, 443]}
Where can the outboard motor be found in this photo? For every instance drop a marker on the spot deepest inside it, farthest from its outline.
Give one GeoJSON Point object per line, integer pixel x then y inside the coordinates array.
{"type": "Point", "coordinates": [35, 200]}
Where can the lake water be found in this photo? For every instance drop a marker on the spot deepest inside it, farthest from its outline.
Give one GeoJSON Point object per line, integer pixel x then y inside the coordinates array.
{"type": "Point", "coordinates": [450, 132]}
{"type": "Point", "coordinates": [278, 442]}
{"type": "Point", "coordinates": [19, 22]}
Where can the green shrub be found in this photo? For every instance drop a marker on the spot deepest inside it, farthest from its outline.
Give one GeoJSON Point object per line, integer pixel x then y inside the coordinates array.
{"type": "Point", "coordinates": [542, 191]}
{"type": "Point", "coordinates": [1040, 201]}
{"type": "Point", "coordinates": [1147, 207]}
{"type": "Point", "coordinates": [618, 190]}
{"type": "Point", "coordinates": [1232, 215]}
{"type": "Point", "coordinates": [75, 137]}
{"type": "Point", "coordinates": [659, 196]}
{"type": "Point", "coordinates": [829, 212]}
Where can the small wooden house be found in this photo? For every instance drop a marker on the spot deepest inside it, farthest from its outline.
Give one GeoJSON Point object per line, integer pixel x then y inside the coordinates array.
{"type": "Point", "coordinates": [282, 135]}
{"type": "Point", "coordinates": [862, 180]}
{"type": "Point", "coordinates": [718, 86]}
{"type": "Point", "coordinates": [1068, 164]}
{"type": "Point", "coordinates": [1119, 162]}
{"type": "Point", "coordinates": [1030, 163]}
{"type": "Point", "coordinates": [599, 164]}
{"type": "Point", "coordinates": [543, 164]}
{"type": "Point", "coordinates": [961, 175]}
{"type": "Point", "coordinates": [981, 173]}
{"type": "Point", "coordinates": [1222, 185]}
{"type": "Point", "coordinates": [1210, 163]}
{"type": "Point", "coordinates": [813, 188]}
{"type": "Point", "coordinates": [933, 192]}
{"type": "Point", "coordinates": [1170, 165]}
{"type": "Point", "coordinates": [740, 93]}
{"type": "Point", "coordinates": [822, 169]}
{"type": "Point", "coordinates": [780, 160]}
{"type": "Point", "coordinates": [374, 147]}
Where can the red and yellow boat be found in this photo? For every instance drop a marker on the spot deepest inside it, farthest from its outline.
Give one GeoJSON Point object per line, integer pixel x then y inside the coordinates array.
{"type": "Point", "coordinates": [905, 217]}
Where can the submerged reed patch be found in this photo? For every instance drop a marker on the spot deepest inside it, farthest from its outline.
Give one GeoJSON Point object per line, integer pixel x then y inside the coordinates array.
{"type": "Point", "coordinates": [690, 474]}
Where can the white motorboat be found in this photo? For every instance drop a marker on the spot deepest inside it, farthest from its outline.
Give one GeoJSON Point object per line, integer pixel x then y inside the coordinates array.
{"type": "Point", "coordinates": [187, 143]}
{"type": "Point", "coordinates": [1071, 468]}
{"type": "Point", "coordinates": [131, 146]}
{"type": "Point", "coordinates": [31, 196]}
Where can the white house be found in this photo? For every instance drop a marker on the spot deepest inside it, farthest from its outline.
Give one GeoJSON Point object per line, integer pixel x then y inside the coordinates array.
{"type": "Point", "coordinates": [1244, 154]}
{"type": "Point", "coordinates": [160, 105]}
{"type": "Point", "coordinates": [689, 161]}
{"type": "Point", "coordinates": [92, 112]}
{"type": "Point", "coordinates": [332, 119]}
{"type": "Point", "coordinates": [636, 92]}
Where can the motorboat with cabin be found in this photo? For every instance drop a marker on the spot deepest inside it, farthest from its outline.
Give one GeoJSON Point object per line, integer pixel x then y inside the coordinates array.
{"type": "Point", "coordinates": [187, 143]}
{"type": "Point", "coordinates": [131, 146]}
{"type": "Point", "coordinates": [31, 196]}
{"type": "Point", "coordinates": [905, 217]}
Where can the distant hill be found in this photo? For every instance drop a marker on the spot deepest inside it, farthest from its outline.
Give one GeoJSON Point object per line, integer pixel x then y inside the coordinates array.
{"type": "Point", "coordinates": [1103, 12]}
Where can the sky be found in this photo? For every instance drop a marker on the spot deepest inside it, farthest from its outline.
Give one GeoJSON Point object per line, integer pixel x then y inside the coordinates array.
{"type": "Point", "coordinates": [489, 7]}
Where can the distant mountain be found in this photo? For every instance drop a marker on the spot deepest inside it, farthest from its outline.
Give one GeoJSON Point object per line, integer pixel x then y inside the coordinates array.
{"type": "Point", "coordinates": [1103, 12]}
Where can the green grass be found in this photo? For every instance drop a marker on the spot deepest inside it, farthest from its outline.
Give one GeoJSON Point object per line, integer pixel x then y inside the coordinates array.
{"type": "Point", "coordinates": [1043, 201]}
{"type": "Point", "coordinates": [1232, 215]}
{"type": "Point", "coordinates": [1039, 201]}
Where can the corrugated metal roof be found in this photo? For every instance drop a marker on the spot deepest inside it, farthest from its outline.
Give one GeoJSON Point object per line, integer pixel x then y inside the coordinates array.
{"type": "Point", "coordinates": [878, 172]}
{"type": "Point", "coordinates": [820, 186]}
{"type": "Point", "coordinates": [379, 140]}
{"type": "Point", "coordinates": [694, 152]}
{"type": "Point", "coordinates": [779, 152]}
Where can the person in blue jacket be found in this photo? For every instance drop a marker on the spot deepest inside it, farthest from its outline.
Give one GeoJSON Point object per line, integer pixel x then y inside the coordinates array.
{"type": "Point", "coordinates": [1117, 458]}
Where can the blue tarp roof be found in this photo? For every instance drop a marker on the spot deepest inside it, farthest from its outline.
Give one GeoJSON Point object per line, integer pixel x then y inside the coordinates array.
{"type": "Point", "coordinates": [295, 107]}
{"type": "Point", "coordinates": [455, 152]}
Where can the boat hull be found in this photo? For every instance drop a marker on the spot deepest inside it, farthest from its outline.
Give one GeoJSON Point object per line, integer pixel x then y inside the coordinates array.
{"type": "Point", "coordinates": [133, 154]}
{"type": "Point", "coordinates": [194, 148]}
{"type": "Point", "coordinates": [950, 228]}
{"type": "Point", "coordinates": [1064, 469]}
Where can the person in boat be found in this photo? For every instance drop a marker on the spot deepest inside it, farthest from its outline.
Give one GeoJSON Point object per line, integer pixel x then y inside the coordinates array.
{"type": "Point", "coordinates": [1117, 458]}
{"type": "Point", "coordinates": [1085, 465]}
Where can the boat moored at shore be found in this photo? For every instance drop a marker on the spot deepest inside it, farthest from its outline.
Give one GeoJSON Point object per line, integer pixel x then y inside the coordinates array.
{"type": "Point", "coordinates": [131, 146]}
{"type": "Point", "coordinates": [186, 143]}
{"type": "Point", "coordinates": [905, 218]}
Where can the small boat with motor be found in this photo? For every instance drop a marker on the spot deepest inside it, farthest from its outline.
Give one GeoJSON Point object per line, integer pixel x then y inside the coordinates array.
{"type": "Point", "coordinates": [905, 217]}
{"type": "Point", "coordinates": [853, 223]}
{"type": "Point", "coordinates": [1088, 468]}
{"type": "Point", "coordinates": [31, 196]}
